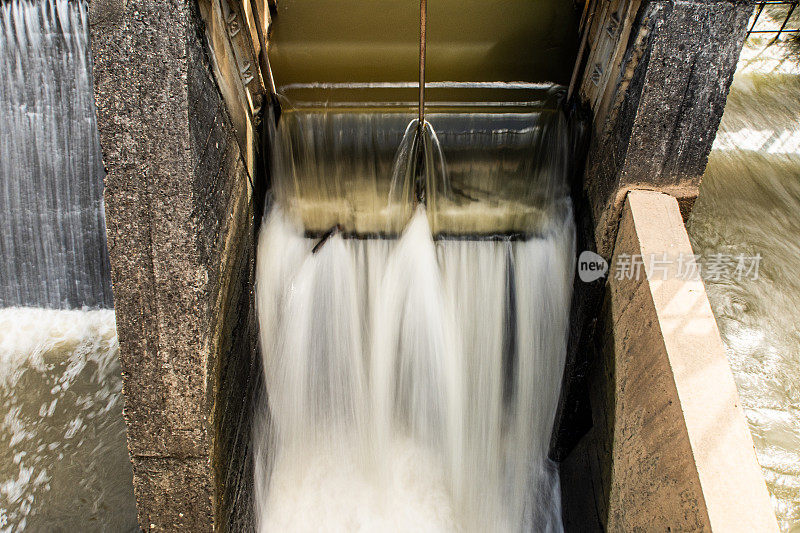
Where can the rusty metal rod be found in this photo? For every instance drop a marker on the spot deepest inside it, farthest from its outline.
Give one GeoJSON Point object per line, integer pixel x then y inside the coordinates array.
{"type": "Point", "coordinates": [423, 16]}
{"type": "Point", "coordinates": [783, 26]}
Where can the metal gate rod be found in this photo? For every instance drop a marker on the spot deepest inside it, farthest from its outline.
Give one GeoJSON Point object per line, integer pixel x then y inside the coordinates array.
{"type": "Point", "coordinates": [423, 16]}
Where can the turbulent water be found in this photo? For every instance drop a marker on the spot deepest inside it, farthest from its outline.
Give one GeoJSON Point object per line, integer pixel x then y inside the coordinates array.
{"type": "Point", "coordinates": [51, 174]}
{"type": "Point", "coordinates": [497, 169]}
{"type": "Point", "coordinates": [64, 465]}
{"type": "Point", "coordinates": [412, 381]}
{"type": "Point", "coordinates": [750, 203]}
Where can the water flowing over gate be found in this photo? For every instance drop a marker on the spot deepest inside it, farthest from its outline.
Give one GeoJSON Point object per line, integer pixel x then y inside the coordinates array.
{"type": "Point", "coordinates": [413, 369]}
{"type": "Point", "coordinates": [53, 240]}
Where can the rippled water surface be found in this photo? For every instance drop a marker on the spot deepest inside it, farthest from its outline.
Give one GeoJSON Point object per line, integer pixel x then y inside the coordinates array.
{"type": "Point", "coordinates": [750, 203]}
{"type": "Point", "coordinates": [63, 461]}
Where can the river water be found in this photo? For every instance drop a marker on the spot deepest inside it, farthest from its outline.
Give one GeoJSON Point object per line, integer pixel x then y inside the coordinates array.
{"type": "Point", "coordinates": [64, 463]}
{"type": "Point", "coordinates": [750, 203]}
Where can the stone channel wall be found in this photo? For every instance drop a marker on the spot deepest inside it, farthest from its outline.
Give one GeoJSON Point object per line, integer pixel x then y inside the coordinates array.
{"type": "Point", "coordinates": [181, 220]}
{"type": "Point", "coordinates": [669, 449]}
{"type": "Point", "coordinates": [655, 75]}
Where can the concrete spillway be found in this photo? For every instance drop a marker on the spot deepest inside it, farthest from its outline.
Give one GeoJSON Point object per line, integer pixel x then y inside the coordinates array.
{"type": "Point", "coordinates": [183, 199]}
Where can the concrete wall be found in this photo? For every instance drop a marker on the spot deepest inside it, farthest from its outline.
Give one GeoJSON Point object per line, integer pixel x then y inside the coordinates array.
{"type": "Point", "coordinates": [669, 449]}
{"type": "Point", "coordinates": [655, 75]}
{"type": "Point", "coordinates": [181, 218]}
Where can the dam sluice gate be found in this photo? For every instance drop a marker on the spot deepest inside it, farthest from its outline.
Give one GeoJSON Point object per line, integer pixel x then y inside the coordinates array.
{"type": "Point", "coordinates": [327, 311]}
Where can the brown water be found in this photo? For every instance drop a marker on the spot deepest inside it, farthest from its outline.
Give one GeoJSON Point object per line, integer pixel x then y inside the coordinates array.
{"type": "Point", "coordinates": [750, 203]}
{"type": "Point", "coordinates": [64, 465]}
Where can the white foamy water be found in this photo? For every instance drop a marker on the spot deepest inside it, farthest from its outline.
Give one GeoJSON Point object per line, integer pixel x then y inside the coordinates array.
{"type": "Point", "coordinates": [63, 461]}
{"type": "Point", "coordinates": [411, 384]}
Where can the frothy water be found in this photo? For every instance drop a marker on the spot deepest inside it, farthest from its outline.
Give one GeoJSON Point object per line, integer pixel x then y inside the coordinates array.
{"type": "Point", "coordinates": [749, 204]}
{"type": "Point", "coordinates": [64, 465]}
{"type": "Point", "coordinates": [412, 383]}
{"type": "Point", "coordinates": [53, 238]}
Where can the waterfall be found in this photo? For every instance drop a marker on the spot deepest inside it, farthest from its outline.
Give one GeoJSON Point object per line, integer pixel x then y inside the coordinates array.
{"type": "Point", "coordinates": [445, 356]}
{"type": "Point", "coordinates": [412, 377]}
{"type": "Point", "coordinates": [51, 174]}
{"type": "Point", "coordinates": [63, 460]}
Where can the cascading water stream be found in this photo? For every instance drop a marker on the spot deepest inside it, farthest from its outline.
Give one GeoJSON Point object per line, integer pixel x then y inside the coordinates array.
{"type": "Point", "coordinates": [51, 173]}
{"type": "Point", "coordinates": [63, 459]}
{"type": "Point", "coordinates": [412, 378]}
